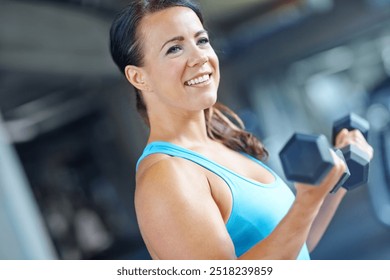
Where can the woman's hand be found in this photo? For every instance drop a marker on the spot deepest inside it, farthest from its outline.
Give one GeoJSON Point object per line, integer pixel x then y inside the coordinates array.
{"type": "Point", "coordinates": [317, 193]}
{"type": "Point", "coordinates": [332, 201]}
{"type": "Point", "coordinates": [353, 137]}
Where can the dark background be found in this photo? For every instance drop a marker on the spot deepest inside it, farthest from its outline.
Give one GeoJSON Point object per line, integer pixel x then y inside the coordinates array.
{"type": "Point", "coordinates": [70, 135]}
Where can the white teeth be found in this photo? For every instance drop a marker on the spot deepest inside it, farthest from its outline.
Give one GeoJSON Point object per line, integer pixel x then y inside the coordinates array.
{"type": "Point", "coordinates": [199, 80]}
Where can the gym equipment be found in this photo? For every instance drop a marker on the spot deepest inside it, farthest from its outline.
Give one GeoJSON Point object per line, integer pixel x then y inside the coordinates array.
{"type": "Point", "coordinates": [307, 159]}
{"type": "Point", "coordinates": [23, 234]}
{"type": "Point", "coordinates": [357, 160]}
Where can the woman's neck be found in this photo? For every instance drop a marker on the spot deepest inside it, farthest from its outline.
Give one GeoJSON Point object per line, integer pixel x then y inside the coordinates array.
{"type": "Point", "coordinates": [186, 129]}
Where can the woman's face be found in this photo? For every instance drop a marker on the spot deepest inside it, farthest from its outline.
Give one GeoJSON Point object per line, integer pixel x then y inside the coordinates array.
{"type": "Point", "coordinates": [180, 66]}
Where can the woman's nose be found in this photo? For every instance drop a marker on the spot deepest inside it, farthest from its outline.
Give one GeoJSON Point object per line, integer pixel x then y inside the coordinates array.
{"type": "Point", "coordinates": [198, 59]}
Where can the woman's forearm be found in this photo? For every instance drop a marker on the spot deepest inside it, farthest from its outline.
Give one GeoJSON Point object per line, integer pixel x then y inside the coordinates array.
{"type": "Point", "coordinates": [324, 217]}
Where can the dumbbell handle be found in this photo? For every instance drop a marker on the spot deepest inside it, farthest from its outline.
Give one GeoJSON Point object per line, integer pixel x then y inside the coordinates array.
{"type": "Point", "coordinates": [346, 174]}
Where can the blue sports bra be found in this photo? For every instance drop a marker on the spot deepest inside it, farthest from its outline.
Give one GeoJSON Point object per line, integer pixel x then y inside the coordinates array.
{"type": "Point", "coordinates": [257, 208]}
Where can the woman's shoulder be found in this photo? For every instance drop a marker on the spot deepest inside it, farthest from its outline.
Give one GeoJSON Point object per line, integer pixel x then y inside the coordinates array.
{"type": "Point", "coordinates": [165, 170]}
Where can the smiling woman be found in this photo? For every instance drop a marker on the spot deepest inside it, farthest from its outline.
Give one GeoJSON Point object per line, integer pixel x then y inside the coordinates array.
{"type": "Point", "coordinates": [179, 53]}
{"type": "Point", "coordinates": [202, 191]}
{"type": "Point", "coordinates": [129, 53]}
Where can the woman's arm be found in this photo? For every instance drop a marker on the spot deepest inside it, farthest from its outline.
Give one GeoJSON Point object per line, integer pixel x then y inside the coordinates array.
{"type": "Point", "coordinates": [177, 215]}
{"type": "Point", "coordinates": [332, 201]}
{"type": "Point", "coordinates": [324, 217]}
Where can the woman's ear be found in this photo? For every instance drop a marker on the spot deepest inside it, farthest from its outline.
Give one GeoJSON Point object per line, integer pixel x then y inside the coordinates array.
{"type": "Point", "coordinates": [136, 77]}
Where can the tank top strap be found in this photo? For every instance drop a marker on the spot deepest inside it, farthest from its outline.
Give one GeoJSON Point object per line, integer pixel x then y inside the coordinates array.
{"type": "Point", "coordinates": [177, 151]}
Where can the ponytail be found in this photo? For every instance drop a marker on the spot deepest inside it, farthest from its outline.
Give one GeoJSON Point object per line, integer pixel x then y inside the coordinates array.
{"type": "Point", "coordinates": [226, 127]}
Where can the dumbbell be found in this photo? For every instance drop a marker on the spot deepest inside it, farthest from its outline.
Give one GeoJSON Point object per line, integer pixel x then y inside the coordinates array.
{"type": "Point", "coordinates": [357, 160]}
{"type": "Point", "coordinates": [307, 159]}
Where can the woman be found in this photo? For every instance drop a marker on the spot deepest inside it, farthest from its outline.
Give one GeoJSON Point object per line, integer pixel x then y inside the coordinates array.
{"type": "Point", "coordinates": [201, 190]}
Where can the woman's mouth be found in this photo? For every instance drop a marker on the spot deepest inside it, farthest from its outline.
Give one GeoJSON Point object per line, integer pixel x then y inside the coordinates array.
{"type": "Point", "coordinates": [199, 80]}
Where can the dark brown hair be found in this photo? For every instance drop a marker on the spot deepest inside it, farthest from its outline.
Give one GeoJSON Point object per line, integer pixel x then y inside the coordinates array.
{"type": "Point", "coordinates": [222, 123]}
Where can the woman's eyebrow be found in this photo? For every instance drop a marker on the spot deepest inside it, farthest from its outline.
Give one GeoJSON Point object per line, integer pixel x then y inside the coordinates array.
{"type": "Point", "coordinates": [200, 32]}
{"type": "Point", "coordinates": [181, 38]}
{"type": "Point", "coordinates": [177, 38]}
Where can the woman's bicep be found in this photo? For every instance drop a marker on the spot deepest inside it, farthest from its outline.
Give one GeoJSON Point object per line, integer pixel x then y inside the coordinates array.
{"type": "Point", "coordinates": [177, 215]}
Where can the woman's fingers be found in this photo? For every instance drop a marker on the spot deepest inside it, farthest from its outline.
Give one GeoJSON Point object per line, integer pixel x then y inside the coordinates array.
{"type": "Point", "coordinates": [354, 137]}
{"type": "Point", "coordinates": [328, 182]}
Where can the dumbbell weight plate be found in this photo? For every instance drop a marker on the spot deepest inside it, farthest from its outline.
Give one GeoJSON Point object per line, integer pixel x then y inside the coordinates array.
{"type": "Point", "coordinates": [351, 122]}
{"type": "Point", "coordinates": [306, 158]}
{"type": "Point", "coordinates": [357, 162]}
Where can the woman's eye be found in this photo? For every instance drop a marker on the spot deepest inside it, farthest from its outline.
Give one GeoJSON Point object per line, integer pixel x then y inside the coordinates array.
{"type": "Point", "coordinates": [203, 41]}
{"type": "Point", "coordinates": [173, 49]}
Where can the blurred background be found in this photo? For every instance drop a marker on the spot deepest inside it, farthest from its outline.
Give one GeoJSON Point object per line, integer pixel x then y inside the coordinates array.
{"type": "Point", "coordinates": [70, 135]}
